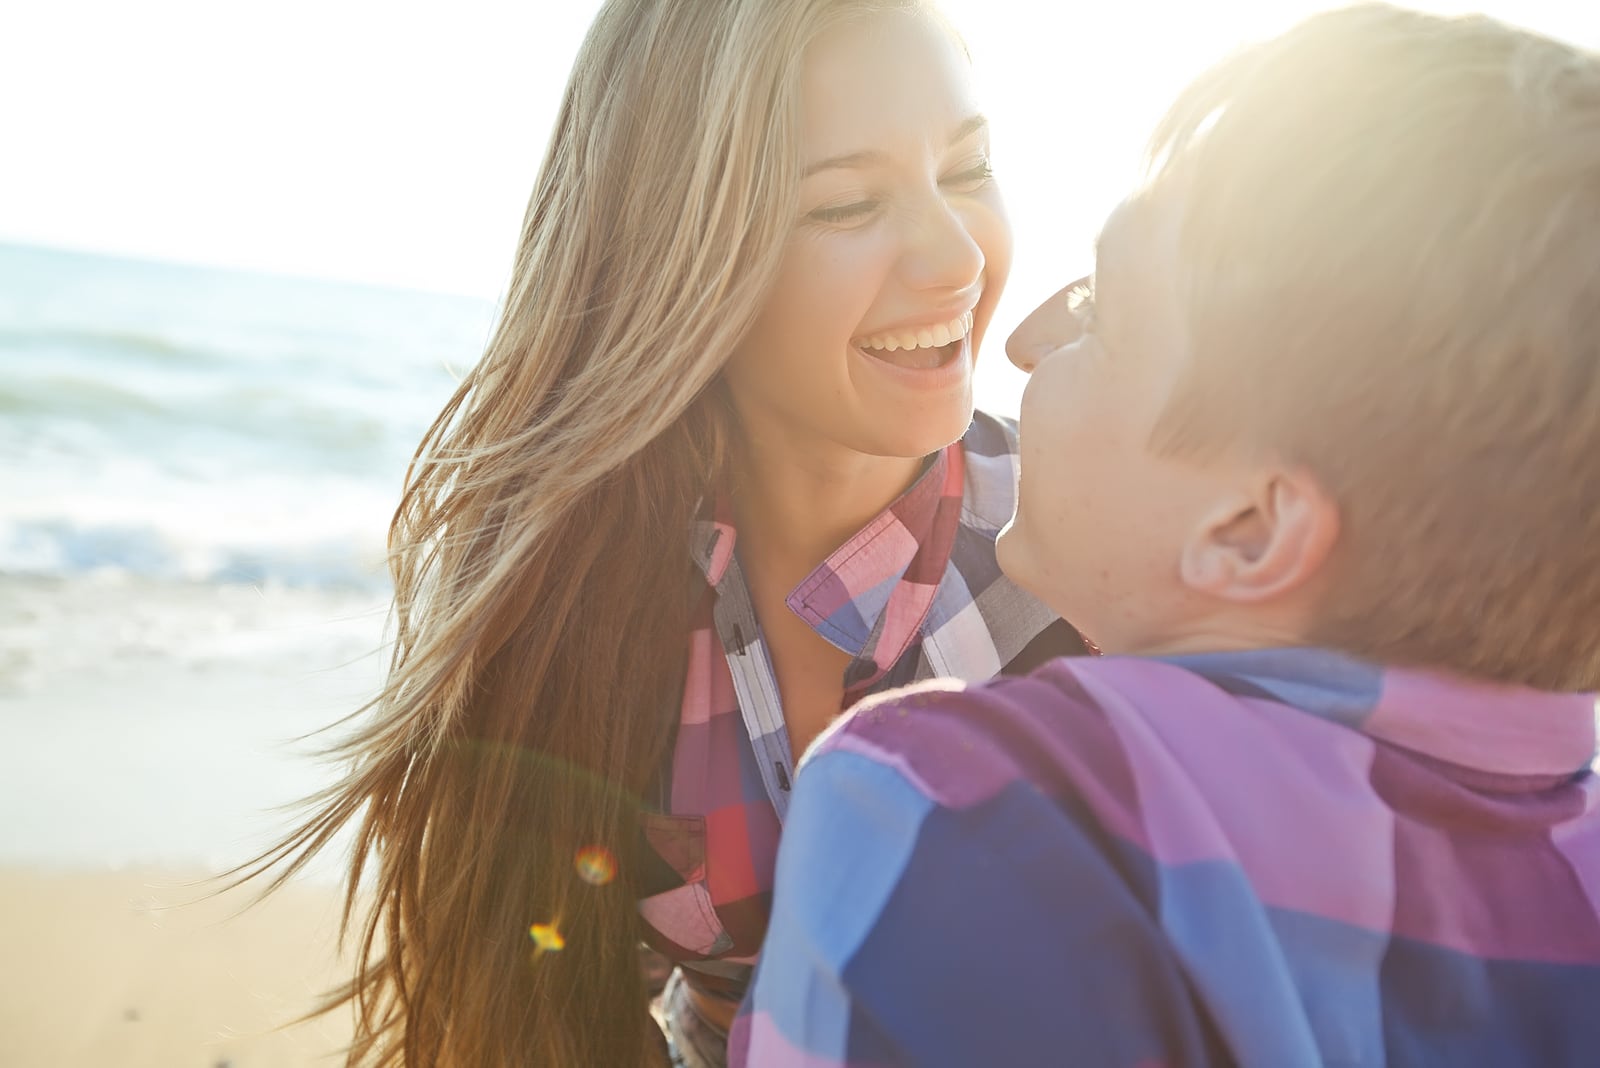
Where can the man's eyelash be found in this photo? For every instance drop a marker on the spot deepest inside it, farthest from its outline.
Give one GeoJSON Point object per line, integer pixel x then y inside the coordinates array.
{"type": "Point", "coordinates": [1081, 304]}
{"type": "Point", "coordinates": [1080, 295]}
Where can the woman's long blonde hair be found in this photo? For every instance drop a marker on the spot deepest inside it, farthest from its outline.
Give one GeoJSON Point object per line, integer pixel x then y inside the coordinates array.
{"type": "Point", "coordinates": [540, 558]}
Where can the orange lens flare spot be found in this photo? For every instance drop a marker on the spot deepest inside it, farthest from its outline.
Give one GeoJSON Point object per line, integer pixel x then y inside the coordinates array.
{"type": "Point", "coordinates": [547, 938]}
{"type": "Point", "coordinates": [596, 866]}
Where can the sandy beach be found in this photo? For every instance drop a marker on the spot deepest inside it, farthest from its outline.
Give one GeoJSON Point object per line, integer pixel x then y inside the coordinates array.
{"type": "Point", "coordinates": [150, 734]}
{"type": "Point", "coordinates": [128, 968]}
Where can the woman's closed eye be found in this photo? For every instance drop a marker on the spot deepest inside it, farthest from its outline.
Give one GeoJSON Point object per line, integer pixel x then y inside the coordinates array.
{"type": "Point", "coordinates": [968, 180]}
{"type": "Point", "coordinates": [972, 179]}
{"type": "Point", "coordinates": [843, 214]}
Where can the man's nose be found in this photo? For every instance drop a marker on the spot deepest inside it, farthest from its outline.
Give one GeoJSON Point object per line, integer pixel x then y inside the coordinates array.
{"type": "Point", "coordinates": [1048, 327]}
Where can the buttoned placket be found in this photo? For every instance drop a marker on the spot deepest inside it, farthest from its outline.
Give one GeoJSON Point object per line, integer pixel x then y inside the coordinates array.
{"type": "Point", "coordinates": [756, 685]}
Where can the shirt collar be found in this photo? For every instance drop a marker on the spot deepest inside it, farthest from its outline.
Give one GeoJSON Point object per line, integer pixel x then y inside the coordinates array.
{"type": "Point", "coordinates": [870, 596]}
{"type": "Point", "coordinates": [1505, 730]}
{"type": "Point", "coordinates": [711, 541]}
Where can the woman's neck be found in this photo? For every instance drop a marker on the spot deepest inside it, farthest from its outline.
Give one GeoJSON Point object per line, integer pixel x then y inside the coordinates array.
{"type": "Point", "coordinates": [794, 507]}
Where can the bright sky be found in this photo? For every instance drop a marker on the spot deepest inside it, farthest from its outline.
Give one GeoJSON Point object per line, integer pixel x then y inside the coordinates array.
{"type": "Point", "coordinates": [396, 142]}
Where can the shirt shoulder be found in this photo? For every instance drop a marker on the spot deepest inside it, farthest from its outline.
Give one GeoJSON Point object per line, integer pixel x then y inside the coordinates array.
{"type": "Point", "coordinates": [961, 744]}
{"type": "Point", "coordinates": [1120, 741]}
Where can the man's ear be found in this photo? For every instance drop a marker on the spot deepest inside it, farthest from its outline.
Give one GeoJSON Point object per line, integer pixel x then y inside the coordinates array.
{"type": "Point", "coordinates": [1265, 541]}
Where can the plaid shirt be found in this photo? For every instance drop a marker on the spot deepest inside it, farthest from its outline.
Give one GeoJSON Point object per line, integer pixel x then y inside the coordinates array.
{"type": "Point", "coordinates": [1281, 858]}
{"type": "Point", "coordinates": [915, 594]}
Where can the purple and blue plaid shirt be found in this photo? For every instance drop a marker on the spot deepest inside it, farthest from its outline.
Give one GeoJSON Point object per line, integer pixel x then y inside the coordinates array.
{"type": "Point", "coordinates": [915, 594]}
{"type": "Point", "coordinates": [1282, 859]}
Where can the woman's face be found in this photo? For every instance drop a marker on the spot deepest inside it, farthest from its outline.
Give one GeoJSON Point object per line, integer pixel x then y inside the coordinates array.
{"type": "Point", "coordinates": [900, 249]}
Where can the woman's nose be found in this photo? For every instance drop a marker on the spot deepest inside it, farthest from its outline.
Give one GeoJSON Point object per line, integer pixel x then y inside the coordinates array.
{"type": "Point", "coordinates": [1047, 328]}
{"type": "Point", "coordinates": [945, 253]}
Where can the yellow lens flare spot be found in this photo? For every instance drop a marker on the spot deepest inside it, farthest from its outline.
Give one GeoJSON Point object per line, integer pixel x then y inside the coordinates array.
{"type": "Point", "coordinates": [547, 938]}
{"type": "Point", "coordinates": [596, 866]}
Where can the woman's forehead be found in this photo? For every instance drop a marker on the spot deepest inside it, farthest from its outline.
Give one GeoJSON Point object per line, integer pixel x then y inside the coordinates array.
{"type": "Point", "coordinates": [875, 83]}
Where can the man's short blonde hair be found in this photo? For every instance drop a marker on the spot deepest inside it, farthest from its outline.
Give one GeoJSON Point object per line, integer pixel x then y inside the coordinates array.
{"type": "Point", "coordinates": [1390, 275]}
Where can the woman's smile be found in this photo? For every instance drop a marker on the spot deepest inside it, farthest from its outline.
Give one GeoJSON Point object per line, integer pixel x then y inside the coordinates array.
{"type": "Point", "coordinates": [938, 335]}
{"type": "Point", "coordinates": [931, 367]}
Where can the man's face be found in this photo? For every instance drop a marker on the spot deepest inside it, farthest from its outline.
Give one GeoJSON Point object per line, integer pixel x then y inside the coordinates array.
{"type": "Point", "coordinates": [1101, 517]}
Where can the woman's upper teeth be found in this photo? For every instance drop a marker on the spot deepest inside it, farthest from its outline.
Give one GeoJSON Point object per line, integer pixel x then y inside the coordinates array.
{"type": "Point", "coordinates": [926, 338]}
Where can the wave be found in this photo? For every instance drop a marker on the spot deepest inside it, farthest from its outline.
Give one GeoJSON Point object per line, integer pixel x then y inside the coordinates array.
{"type": "Point", "coordinates": [61, 548]}
{"type": "Point", "coordinates": [265, 423]}
{"type": "Point", "coordinates": [159, 349]}
{"type": "Point", "coordinates": [75, 394]}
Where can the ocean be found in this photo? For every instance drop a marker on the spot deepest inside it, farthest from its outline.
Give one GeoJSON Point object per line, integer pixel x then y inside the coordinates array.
{"type": "Point", "coordinates": [189, 423]}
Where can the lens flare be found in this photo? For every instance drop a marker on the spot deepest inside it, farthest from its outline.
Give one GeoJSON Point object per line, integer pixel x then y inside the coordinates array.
{"type": "Point", "coordinates": [596, 866]}
{"type": "Point", "coordinates": [547, 937]}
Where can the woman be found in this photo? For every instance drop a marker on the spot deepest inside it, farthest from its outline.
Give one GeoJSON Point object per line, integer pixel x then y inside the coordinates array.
{"type": "Point", "coordinates": [712, 481]}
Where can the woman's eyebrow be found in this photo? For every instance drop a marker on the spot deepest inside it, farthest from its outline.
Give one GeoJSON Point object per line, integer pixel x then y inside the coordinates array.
{"type": "Point", "coordinates": [873, 156]}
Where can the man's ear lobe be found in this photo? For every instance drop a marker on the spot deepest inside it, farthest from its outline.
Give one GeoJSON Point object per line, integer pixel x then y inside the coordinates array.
{"type": "Point", "coordinates": [1265, 544]}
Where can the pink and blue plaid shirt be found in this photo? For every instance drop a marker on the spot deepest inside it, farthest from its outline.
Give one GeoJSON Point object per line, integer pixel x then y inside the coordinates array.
{"type": "Point", "coordinates": [1282, 858]}
{"type": "Point", "coordinates": [915, 594]}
